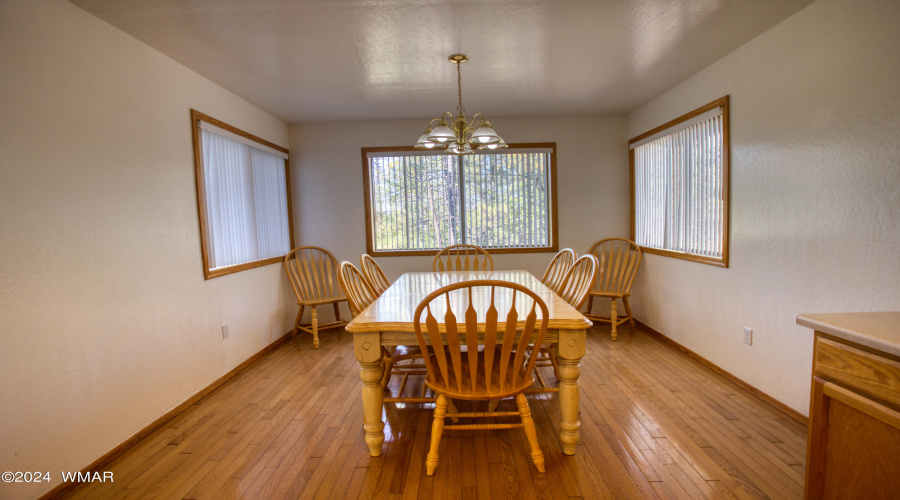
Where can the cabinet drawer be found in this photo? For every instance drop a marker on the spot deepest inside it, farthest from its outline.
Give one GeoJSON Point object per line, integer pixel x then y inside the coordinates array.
{"type": "Point", "coordinates": [854, 368]}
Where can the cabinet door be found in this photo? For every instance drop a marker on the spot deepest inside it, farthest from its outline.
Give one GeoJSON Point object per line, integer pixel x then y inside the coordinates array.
{"type": "Point", "coordinates": [853, 446]}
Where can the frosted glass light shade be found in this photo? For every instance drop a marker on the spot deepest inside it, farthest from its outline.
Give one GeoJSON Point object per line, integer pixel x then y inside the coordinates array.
{"type": "Point", "coordinates": [425, 143]}
{"type": "Point", "coordinates": [485, 135]}
{"type": "Point", "coordinates": [497, 145]}
{"type": "Point", "coordinates": [441, 134]}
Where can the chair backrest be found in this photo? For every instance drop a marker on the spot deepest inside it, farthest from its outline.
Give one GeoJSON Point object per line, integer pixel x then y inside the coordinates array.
{"type": "Point", "coordinates": [462, 258]}
{"type": "Point", "coordinates": [357, 288]}
{"type": "Point", "coordinates": [579, 280]}
{"type": "Point", "coordinates": [372, 271]}
{"type": "Point", "coordinates": [619, 260]}
{"type": "Point", "coordinates": [312, 272]}
{"type": "Point", "coordinates": [499, 368]}
{"type": "Point", "coordinates": [556, 271]}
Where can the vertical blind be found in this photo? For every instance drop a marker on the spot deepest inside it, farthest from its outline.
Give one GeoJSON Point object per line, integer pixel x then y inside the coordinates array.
{"type": "Point", "coordinates": [679, 190]}
{"type": "Point", "coordinates": [246, 202]}
{"type": "Point", "coordinates": [426, 201]}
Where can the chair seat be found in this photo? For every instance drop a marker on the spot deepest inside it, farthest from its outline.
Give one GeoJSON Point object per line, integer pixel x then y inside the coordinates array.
{"type": "Point", "coordinates": [610, 295]}
{"type": "Point", "coordinates": [480, 391]}
{"type": "Point", "coordinates": [322, 301]}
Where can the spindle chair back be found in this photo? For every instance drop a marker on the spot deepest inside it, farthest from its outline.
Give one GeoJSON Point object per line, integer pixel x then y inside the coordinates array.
{"type": "Point", "coordinates": [578, 281]}
{"type": "Point", "coordinates": [556, 270]}
{"type": "Point", "coordinates": [356, 287]}
{"type": "Point", "coordinates": [372, 271]}
{"type": "Point", "coordinates": [462, 258]}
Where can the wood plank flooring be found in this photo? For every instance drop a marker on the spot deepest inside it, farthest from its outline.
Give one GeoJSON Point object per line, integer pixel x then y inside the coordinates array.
{"type": "Point", "coordinates": [654, 424]}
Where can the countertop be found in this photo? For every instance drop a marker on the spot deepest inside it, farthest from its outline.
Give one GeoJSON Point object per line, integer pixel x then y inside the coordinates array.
{"type": "Point", "coordinates": [877, 330]}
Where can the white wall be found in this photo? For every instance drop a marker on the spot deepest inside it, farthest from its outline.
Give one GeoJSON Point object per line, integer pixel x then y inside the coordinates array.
{"type": "Point", "coordinates": [106, 320]}
{"type": "Point", "coordinates": [592, 178]}
{"type": "Point", "coordinates": [815, 190]}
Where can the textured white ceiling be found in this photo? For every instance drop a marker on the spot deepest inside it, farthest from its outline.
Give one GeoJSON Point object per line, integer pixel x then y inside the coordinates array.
{"type": "Point", "coordinates": [336, 60]}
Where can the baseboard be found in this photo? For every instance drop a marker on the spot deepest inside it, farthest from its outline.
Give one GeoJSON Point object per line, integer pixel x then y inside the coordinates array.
{"type": "Point", "coordinates": [111, 455]}
{"type": "Point", "coordinates": [799, 417]}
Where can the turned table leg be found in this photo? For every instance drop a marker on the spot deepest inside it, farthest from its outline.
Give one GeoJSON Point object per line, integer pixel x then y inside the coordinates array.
{"type": "Point", "coordinates": [367, 349]}
{"type": "Point", "coordinates": [570, 350]}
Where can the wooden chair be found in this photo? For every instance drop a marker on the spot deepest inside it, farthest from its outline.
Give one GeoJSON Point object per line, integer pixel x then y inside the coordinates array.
{"type": "Point", "coordinates": [462, 258]}
{"type": "Point", "coordinates": [360, 293]}
{"type": "Point", "coordinates": [372, 271]}
{"type": "Point", "coordinates": [556, 271]}
{"type": "Point", "coordinates": [575, 287]}
{"type": "Point", "coordinates": [312, 272]}
{"type": "Point", "coordinates": [499, 370]}
{"type": "Point", "coordinates": [619, 261]}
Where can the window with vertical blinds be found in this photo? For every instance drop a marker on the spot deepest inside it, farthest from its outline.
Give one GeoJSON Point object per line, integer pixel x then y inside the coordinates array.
{"type": "Point", "coordinates": [421, 201]}
{"type": "Point", "coordinates": [680, 186]}
{"type": "Point", "coordinates": [243, 198]}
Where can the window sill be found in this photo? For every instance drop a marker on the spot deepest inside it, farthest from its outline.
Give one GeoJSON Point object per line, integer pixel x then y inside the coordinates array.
{"type": "Point", "coordinates": [223, 271]}
{"type": "Point", "coordinates": [492, 251]}
{"type": "Point", "coordinates": [712, 261]}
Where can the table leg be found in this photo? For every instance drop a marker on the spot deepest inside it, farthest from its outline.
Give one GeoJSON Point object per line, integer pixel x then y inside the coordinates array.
{"type": "Point", "coordinates": [570, 350]}
{"type": "Point", "coordinates": [367, 349]}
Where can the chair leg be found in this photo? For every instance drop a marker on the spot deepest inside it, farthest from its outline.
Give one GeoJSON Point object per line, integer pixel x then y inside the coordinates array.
{"type": "Point", "coordinates": [315, 328]}
{"type": "Point", "coordinates": [613, 317]}
{"type": "Point", "coordinates": [590, 303]}
{"type": "Point", "coordinates": [437, 427]}
{"type": "Point", "coordinates": [297, 323]}
{"type": "Point", "coordinates": [537, 456]}
{"type": "Point", "coordinates": [628, 310]}
{"type": "Point", "coordinates": [552, 353]}
{"type": "Point", "coordinates": [540, 378]}
{"type": "Point", "coordinates": [337, 311]}
{"type": "Point", "coordinates": [388, 367]}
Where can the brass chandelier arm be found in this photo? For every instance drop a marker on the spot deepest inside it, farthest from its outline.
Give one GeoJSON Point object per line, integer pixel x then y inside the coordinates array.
{"type": "Point", "coordinates": [476, 122]}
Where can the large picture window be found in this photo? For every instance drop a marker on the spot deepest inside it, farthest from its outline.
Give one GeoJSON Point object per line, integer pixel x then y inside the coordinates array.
{"type": "Point", "coordinates": [418, 202]}
{"type": "Point", "coordinates": [680, 186]}
{"type": "Point", "coordinates": [243, 198]}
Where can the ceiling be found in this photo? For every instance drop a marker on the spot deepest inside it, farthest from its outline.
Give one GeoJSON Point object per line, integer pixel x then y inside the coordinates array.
{"type": "Point", "coordinates": [307, 61]}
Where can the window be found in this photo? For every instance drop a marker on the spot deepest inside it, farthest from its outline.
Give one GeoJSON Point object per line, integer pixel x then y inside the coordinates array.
{"type": "Point", "coordinates": [418, 202]}
{"type": "Point", "coordinates": [680, 185]}
{"type": "Point", "coordinates": [243, 197]}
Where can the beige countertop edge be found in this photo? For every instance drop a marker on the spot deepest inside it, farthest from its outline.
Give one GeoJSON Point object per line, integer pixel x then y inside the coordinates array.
{"type": "Point", "coordinates": [877, 330]}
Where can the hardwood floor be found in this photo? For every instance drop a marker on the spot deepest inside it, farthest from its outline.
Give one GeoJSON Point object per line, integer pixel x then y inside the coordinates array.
{"type": "Point", "coordinates": [654, 424]}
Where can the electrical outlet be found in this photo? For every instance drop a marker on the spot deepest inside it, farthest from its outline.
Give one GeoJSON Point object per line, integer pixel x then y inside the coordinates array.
{"type": "Point", "coordinates": [224, 330]}
{"type": "Point", "coordinates": [748, 336]}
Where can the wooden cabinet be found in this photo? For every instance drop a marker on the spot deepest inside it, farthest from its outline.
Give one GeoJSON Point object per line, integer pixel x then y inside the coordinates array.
{"type": "Point", "coordinates": [854, 417]}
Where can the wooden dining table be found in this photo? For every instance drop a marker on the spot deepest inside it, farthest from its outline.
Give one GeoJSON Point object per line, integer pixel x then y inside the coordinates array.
{"type": "Point", "coordinates": [388, 321]}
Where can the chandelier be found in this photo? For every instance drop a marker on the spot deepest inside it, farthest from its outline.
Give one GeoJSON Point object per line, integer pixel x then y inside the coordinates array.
{"type": "Point", "coordinates": [459, 136]}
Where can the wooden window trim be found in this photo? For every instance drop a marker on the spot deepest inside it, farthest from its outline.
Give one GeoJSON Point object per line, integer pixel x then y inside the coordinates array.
{"type": "Point", "coordinates": [554, 219]}
{"type": "Point", "coordinates": [722, 102]}
{"type": "Point", "coordinates": [196, 118]}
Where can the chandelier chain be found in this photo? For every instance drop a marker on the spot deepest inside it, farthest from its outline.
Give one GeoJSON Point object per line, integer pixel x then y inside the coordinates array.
{"type": "Point", "coordinates": [459, 109]}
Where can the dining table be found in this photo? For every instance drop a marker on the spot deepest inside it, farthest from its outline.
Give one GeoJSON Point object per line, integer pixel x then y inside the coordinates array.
{"type": "Point", "coordinates": [388, 321]}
